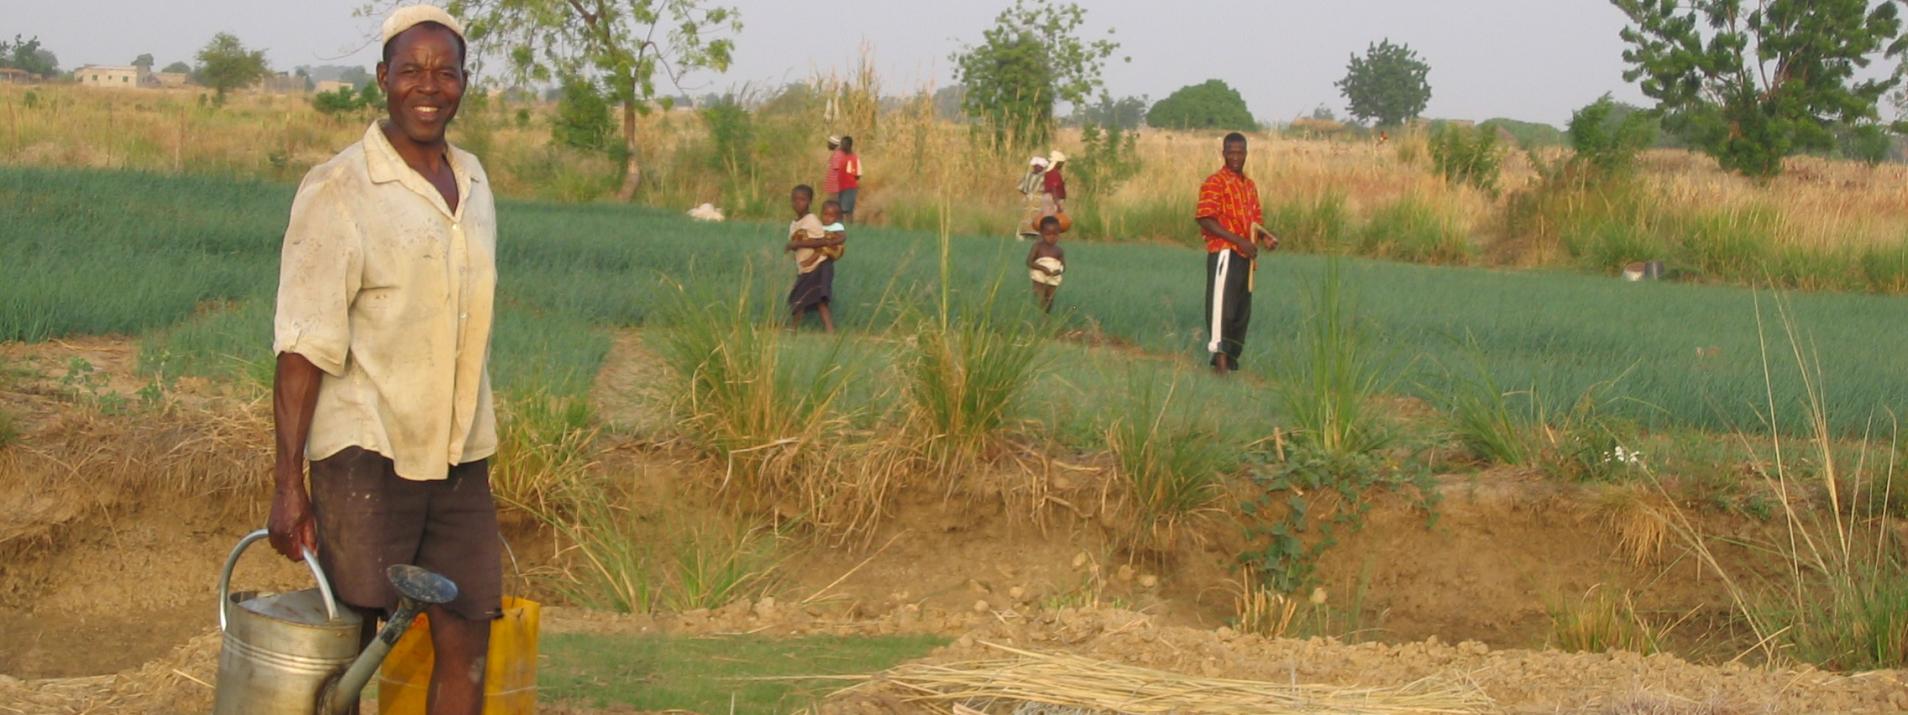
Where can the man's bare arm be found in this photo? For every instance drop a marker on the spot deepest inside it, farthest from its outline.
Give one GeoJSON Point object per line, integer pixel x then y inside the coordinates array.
{"type": "Point", "coordinates": [294, 399]}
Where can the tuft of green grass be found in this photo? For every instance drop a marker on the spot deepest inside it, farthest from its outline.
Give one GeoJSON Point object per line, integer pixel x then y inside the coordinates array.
{"type": "Point", "coordinates": [1173, 460]}
{"type": "Point", "coordinates": [1331, 374]}
{"type": "Point", "coordinates": [966, 377]}
{"type": "Point", "coordinates": [548, 442]}
{"type": "Point", "coordinates": [624, 560]}
{"type": "Point", "coordinates": [742, 674]}
{"type": "Point", "coordinates": [1482, 418]}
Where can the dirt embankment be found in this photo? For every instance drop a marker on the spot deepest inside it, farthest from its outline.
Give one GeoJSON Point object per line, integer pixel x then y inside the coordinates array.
{"type": "Point", "coordinates": [110, 547]}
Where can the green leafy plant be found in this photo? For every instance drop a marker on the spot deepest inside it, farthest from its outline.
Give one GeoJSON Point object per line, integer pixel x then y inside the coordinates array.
{"type": "Point", "coordinates": [1303, 504]}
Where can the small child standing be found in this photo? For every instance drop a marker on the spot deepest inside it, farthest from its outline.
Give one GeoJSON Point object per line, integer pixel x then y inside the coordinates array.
{"type": "Point", "coordinates": [815, 273]}
{"type": "Point", "coordinates": [1045, 263]}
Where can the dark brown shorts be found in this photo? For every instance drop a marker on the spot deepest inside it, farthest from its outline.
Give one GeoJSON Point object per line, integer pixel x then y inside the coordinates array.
{"type": "Point", "coordinates": [369, 518]}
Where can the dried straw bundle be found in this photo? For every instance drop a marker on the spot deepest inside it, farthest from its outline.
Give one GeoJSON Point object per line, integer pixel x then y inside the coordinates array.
{"type": "Point", "coordinates": [1096, 686]}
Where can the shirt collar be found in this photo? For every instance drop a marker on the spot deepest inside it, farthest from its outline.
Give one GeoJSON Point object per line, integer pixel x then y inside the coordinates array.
{"type": "Point", "coordinates": [384, 165]}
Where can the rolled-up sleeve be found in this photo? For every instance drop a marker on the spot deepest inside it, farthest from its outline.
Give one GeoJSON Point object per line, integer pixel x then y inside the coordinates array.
{"type": "Point", "coordinates": [319, 273]}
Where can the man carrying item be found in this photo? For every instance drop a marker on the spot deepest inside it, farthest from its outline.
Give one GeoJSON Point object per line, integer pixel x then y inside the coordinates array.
{"type": "Point", "coordinates": [1229, 217]}
{"type": "Point", "coordinates": [383, 343]}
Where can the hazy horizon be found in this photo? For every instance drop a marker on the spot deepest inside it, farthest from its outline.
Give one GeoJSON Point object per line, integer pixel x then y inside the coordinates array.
{"type": "Point", "coordinates": [1489, 58]}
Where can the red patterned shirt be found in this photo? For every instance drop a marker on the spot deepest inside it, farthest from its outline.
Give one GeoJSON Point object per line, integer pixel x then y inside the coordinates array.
{"type": "Point", "coordinates": [1233, 200]}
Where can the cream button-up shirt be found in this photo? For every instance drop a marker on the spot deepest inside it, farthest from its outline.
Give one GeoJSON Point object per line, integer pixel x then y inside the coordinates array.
{"type": "Point", "coordinates": [389, 292]}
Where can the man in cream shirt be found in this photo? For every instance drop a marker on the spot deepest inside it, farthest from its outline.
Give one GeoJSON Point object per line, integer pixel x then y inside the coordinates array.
{"type": "Point", "coordinates": [383, 343]}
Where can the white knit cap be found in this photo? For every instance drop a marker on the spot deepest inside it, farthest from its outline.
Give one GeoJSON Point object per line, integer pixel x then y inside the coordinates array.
{"type": "Point", "coordinates": [410, 16]}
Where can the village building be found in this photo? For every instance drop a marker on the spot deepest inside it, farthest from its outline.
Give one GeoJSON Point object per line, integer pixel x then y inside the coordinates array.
{"type": "Point", "coordinates": [333, 85]}
{"type": "Point", "coordinates": [11, 75]}
{"type": "Point", "coordinates": [121, 76]}
{"type": "Point", "coordinates": [280, 83]}
{"type": "Point", "coordinates": [171, 80]}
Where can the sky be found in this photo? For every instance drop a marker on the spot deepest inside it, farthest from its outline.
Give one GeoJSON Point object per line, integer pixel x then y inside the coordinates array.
{"type": "Point", "coordinates": [1535, 60]}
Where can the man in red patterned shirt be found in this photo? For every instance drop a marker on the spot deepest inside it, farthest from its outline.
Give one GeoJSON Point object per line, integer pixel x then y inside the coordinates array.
{"type": "Point", "coordinates": [1230, 218]}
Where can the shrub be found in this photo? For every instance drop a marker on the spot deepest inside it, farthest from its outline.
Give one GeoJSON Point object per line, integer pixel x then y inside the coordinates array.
{"type": "Point", "coordinates": [1466, 155]}
{"type": "Point", "coordinates": [1605, 144]}
{"type": "Point", "coordinates": [1211, 104]}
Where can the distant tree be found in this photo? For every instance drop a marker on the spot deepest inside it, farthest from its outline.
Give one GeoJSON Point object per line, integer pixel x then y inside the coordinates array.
{"type": "Point", "coordinates": [1125, 113]}
{"type": "Point", "coordinates": [178, 67]}
{"type": "Point", "coordinates": [1750, 88]}
{"type": "Point", "coordinates": [1388, 85]}
{"type": "Point", "coordinates": [1324, 114]}
{"type": "Point", "coordinates": [144, 61]}
{"type": "Point", "coordinates": [28, 55]}
{"type": "Point", "coordinates": [625, 43]}
{"type": "Point", "coordinates": [1211, 104]}
{"type": "Point", "coordinates": [225, 64]}
{"type": "Point", "coordinates": [583, 116]}
{"type": "Point", "coordinates": [370, 96]}
{"type": "Point", "coordinates": [1032, 57]}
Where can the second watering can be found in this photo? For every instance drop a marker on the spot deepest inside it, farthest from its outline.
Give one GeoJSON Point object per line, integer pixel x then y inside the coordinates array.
{"type": "Point", "coordinates": [297, 653]}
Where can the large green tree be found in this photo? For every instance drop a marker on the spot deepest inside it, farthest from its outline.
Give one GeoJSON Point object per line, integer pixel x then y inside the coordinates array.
{"type": "Point", "coordinates": [1389, 85]}
{"type": "Point", "coordinates": [225, 64]}
{"type": "Point", "coordinates": [1032, 57]}
{"type": "Point", "coordinates": [1752, 83]}
{"type": "Point", "coordinates": [1211, 104]}
{"type": "Point", "coordinates": [626, 43]}
{"type": "Point", "coordinates": [28, 55]}
{"type": "Point", "coordinates": [143, 61]}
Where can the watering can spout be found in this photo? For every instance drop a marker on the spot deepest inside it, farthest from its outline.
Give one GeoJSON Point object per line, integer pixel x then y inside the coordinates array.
{"type": "Point", "coordinates": [416, 589]}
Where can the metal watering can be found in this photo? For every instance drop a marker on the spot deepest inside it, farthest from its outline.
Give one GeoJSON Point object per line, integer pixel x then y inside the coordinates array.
{"type": "Point", "coordinates": [297, 653]}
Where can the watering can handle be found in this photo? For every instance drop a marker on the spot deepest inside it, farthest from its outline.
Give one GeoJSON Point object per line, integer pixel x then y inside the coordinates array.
{"type": "Point", "coordinates": [311, 560]}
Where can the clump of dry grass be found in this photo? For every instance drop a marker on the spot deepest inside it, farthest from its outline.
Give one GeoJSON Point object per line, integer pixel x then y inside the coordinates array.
{"type": "Point", "coordinates": [1636, 514]}
{"type": "Point", "coordinates": [1602, 620]}
{"type": "Point", "coordinates": [1071, 681]}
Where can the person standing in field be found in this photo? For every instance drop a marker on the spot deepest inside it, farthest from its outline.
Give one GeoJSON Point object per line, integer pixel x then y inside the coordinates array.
{"type": "Point", "coordinates": [1046, 262]}
{"type": "Point", "coordinates": [1230, 218]}
{"type": "Point", "coordinates": [848, 181]}
{"type": "Point", "coordinates": [382, 335]}
{"type": "Point", "coordinates": [1033, 190]}
{"type": "Point", "coordinates": [831, 177]}
{"type": "Point", "coordinates": [1055, 182]}
{"type": "Point", "coordinates": [814, 273]}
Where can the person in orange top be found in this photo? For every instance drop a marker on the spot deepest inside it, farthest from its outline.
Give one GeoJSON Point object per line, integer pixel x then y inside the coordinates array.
{"type": "Point", "coordinates": [1230, 218]}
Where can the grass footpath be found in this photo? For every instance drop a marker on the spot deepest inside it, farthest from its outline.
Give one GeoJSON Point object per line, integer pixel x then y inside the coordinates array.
{"type": "Point", "coordinates": [738, 674]}
{"type": "Point", "coordinates": [191, 262]}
